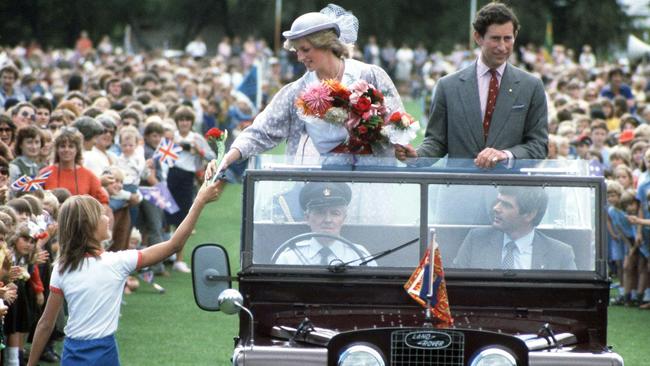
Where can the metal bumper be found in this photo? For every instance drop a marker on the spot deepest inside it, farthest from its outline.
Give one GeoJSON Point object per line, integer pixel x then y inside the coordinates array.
{"type": "Point", "coordinates": [565, 357]}
{"type": "Point", "coordinates": [279, 356]}
{"type": "Point", "coordinates": [292, 356]}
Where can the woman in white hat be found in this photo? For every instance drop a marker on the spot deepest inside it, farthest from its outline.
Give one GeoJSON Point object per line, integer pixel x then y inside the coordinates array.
{"type": "Point", "coordinates": [323, 42]}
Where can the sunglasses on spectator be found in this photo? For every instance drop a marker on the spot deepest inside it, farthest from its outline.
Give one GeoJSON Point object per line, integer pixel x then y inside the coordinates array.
{"type": "Point", "coordinates": [5, 129]}
{"type": "Point", "coordinates": [4, 170]}
{"type": "Point", "coordinates": [28, 115]}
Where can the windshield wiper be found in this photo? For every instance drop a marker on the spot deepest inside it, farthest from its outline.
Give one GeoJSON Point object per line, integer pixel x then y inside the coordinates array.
{"type": "Point", "coordinates": [342, 266]}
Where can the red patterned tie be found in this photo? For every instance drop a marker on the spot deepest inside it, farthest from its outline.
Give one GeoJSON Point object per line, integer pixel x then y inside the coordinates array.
{"type": "Point", "coordinates": [491, 102]}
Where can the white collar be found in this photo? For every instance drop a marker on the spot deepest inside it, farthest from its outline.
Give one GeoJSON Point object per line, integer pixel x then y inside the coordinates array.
{"type": "Point", "coordinates": [482, 68]}
{"type": "Point", "coordinates": [524, 244]}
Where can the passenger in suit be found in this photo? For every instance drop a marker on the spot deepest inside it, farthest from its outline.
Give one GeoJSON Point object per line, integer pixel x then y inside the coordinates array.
{"type": "Point", "coordinates": [490, 111]}
{"type": "Point", "coordinates": [512, 242]}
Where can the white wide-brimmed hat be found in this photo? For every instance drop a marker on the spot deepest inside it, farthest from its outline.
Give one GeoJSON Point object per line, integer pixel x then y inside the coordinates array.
{"type": "Point", "coordinates": [309, 23]}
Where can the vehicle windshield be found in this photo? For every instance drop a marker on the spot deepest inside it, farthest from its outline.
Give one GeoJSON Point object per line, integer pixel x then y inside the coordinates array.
{"type": "Point", "coordinates": [314, 215]}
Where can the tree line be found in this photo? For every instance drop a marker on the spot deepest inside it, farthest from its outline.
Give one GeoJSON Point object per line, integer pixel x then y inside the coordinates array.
{"type": "Point", "coordinates": [438, 24]}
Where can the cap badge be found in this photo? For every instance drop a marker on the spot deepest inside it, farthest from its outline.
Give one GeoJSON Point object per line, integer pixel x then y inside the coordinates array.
{"type": "Point", "coordinates": [327, 192]}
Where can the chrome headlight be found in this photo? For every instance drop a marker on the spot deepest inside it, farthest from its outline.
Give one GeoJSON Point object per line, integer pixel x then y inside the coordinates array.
{"type": "Point", "coordinates": [493, 357]}
{"type": "Point", "coordinates": [360, 355]}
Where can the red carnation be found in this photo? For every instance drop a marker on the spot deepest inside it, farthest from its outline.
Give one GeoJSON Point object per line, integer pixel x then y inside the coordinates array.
{"type": "Point", "coordinates": [395, 117]}
{"type": "Point", "coordinates": [362, 130]}
{"type": "Point", "coordinates": [362, 106]}
{"type": "Point", "coordinates": [213, 133]}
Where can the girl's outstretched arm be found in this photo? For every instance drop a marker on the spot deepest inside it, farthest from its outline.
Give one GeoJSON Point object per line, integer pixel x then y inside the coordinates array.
{"type": "Point", "coordinates": [45, 327]}
{"type": "Point", "coordinates": [158, 252]}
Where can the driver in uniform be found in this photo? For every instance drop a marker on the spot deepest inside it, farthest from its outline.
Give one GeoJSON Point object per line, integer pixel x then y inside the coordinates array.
{"type": "Point", "coordinates": [325, 206]}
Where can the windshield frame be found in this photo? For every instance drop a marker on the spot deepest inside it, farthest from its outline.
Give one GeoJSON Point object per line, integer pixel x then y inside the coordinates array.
{"type": "Point", "coordinates": [424, 179]}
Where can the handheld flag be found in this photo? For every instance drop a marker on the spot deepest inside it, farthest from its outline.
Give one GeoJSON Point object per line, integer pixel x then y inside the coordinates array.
{"type": "Point", "coordinates": [27, 183]}
{"type": "Point", "coordinates": [167, 152]}
{"type": "Point", "coordinates": [427, 285]}
{"type": "Point", "coordinates": [160, 196]}
{"type": "Point", "coordinates": [251, 86]}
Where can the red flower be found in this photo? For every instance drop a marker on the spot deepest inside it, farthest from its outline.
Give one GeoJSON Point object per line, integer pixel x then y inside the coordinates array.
{"type": "Point", "coordinates": [395, 117]}
{"type": "Point", "coordinates": [214, 133]}
{"type": "Point", "coordinates": [362, 106]}
{"type": "Point", "coordinates": [362, 130]}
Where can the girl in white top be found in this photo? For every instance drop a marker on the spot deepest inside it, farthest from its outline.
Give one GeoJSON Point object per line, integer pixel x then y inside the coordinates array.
{"type": "Point", "coordinates": [91, 280]}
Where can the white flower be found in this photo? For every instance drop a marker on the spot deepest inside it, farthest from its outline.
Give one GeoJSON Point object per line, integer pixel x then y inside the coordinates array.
{"type": "Point", "coordinates": [336, 115]}
{"type": "Point", "coordinates": [401, 136]}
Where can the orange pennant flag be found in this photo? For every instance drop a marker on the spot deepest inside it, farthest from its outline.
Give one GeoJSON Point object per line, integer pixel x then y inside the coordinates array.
{"type": "Point", "coordinates": [423, 284]}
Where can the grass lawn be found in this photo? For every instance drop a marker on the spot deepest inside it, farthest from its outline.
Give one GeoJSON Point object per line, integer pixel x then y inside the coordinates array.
{"type": "Point", "coordinates": [170, 329]}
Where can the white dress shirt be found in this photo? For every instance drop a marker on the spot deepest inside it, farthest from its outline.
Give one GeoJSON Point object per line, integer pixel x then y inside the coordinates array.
{"type": "Point", "coordinates": [523, 253]}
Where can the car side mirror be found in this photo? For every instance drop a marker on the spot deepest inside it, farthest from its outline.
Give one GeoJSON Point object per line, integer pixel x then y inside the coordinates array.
{"type": "Point", "coordinates": [210, 275]}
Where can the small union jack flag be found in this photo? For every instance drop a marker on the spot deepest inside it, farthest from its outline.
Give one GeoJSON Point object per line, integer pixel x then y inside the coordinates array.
{"type": "Point", "coordinates": [27, 183]}
{"type": "Point", "coordinates": [167, 152]}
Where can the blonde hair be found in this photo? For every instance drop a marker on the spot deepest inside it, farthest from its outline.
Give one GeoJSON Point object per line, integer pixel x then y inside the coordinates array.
{"type": "Point", "coordinates": [621, 152]}
{"type": "Point", "coordinates": [11, 213]}
{"type": "Point", "coordinates": [324, 40]}
{"type": "Point", "coordinates": [614, 186]}
{"type": "Point", "coordinates": [129, 132]}
{"type": "Point", "coordinates": [117, 173]}
{"type": "Point", "coordinates": [51, 200]}
{"type": "Point", "coordinates": [78, 220]}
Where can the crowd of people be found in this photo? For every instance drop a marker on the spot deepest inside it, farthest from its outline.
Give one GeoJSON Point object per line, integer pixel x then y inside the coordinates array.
{"type": "Point", "coordinates": [90, 120]}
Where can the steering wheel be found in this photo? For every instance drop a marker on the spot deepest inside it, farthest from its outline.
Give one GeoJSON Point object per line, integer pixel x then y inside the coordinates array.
{"type": "Point", "coordinates": [291, 244]}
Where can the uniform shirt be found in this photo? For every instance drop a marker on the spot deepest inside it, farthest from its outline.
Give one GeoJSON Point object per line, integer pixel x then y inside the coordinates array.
{"type": "Point", "coordinates": [94, 292]}
{"type": "Point", "coordinates": [307, 253]}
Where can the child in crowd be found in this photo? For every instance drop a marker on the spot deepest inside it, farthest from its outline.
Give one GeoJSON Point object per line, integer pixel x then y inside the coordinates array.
{"type": "Point", "coordinates": [131, 162]}
{"type": "Point", "coordinates": [151, 217]}
{"type": "Point", "coordinates": [623, 175]}
{"type": "Point", "coordinates": [642, 263]}
{"type": "Point", "coordinates": [91, 287]}
{"type": "Point", "coordinates": [22, 312]}
{"type": "Point", "coordinates": [598, 136]}
{"type": "Point", "coordinates": [182, 175]}
{"type": "Point", "coordinates": [615, 217]}
{"type": "Point", "coordinates": [628, 233]}
{"type": "Point", "coordinates": [120, 202]}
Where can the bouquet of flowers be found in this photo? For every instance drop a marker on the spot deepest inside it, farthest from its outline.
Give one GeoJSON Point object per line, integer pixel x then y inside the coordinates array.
{"type": "Point", "coordinates": [360, 109]}
{"type": "Point", "coordinates": [217, 141]}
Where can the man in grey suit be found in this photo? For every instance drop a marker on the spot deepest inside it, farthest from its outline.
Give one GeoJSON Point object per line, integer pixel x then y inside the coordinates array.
{"type": "Point", "coordinates": [512, 242]}
{"type": "Point", "coordinates": [490, 111]}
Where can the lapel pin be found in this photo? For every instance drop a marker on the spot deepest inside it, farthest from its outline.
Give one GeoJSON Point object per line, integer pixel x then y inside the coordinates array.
{"type": "Point", "coordinates": [509, 90]}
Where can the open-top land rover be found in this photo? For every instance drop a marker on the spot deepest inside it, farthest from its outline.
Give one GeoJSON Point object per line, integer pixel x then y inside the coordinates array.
{"type": "Point", "coordinates": [549, 309]}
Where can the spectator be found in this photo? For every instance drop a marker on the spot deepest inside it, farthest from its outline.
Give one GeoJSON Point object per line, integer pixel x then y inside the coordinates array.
{"type": "Point", "coordinates": [182, 175]}
{"type": "Point", "coordinates": [9, 75]}
{"type": "Point", "coordinates": [67, 171]}
{"type": "Point", "coordinates": [617, 87]}
{"type": "Point", "coordinates": [43, 110]}
{"type": "Point", "coordinates": [98, 283]}
{"type": "Point", "coordinates": [23, 114]}
{"type": "Point", "coordinates": [7, 131]}
{"type": "Point", "coordinates": [27, 152]}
